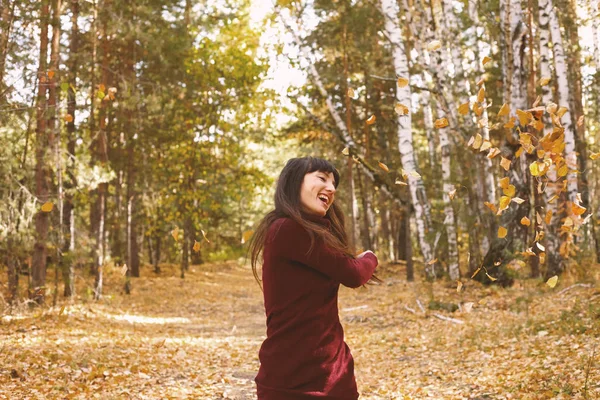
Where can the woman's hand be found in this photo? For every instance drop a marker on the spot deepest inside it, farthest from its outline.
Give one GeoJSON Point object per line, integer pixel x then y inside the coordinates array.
{"type": "Point", "coordinates": [363, 253]}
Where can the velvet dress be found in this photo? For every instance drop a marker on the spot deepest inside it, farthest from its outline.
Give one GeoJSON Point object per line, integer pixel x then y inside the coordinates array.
{"type": "Point", "coordinates": [304, 355]}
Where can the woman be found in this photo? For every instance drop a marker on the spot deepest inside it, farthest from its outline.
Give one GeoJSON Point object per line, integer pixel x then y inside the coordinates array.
{"type": "Point", "coordinates": [305, 259]}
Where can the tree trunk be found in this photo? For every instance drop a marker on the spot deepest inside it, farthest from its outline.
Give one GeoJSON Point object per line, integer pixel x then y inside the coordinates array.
{"type": "Point", "coordinates": [449, 220]}
{"type": "Point", "coordinates": [428, 120]}
{"type": "Point", "coordinates": [560, 66]}
{"type": "Point", "coordinates": [7, 15]}
{"type": "Point", "coordinates": [38, 265]}
{"type": "Point", "coordinates": [405, 140]}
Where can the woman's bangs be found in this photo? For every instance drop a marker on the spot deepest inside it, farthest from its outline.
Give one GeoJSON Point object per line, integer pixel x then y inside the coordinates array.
{"type": "Point", "coordinates": [318, 164]}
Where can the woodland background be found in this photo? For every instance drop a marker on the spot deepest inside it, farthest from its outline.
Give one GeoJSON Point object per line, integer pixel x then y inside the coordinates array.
{"type": "Point", "coordinates": [142, 139]}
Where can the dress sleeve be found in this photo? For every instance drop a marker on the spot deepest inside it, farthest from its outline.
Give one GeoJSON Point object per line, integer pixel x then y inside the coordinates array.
{"type": "Point", "coordinates": [291, 241]}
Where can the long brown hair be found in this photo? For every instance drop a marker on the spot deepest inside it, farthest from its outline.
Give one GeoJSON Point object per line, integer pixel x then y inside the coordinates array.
{"type": "Point", "coordinates": [287, 204]}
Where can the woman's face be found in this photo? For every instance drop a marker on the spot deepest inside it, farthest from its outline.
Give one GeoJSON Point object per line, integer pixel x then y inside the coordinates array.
{"type": "Point", "coordinates": [317, 192]}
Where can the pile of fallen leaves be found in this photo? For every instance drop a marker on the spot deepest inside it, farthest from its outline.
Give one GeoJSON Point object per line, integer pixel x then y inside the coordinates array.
{"type": "Point", "coordinates": [199, 338]}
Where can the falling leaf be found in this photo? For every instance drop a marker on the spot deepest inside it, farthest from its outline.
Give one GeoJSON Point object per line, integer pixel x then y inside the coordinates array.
{"type": "Point", "coordinates": [432, 261]}
{"type": "Point", "coordinates": [561, 111]}
{"type": "Point", "coordinates": [505, 163]}
{"type": "Point", "coordinates": [434, 45]}
{"type": "Point", "coordinates": [544, 80]}
{"type": "Point", "coordinates": [594, 156]}
{"type": "Point", "coordinates": [524, 117]}
{"type": "Point", "coordinates": [402, 82]}
{"type": "Point", "coordinates": [481, 95]}
{"type": "Point", "coordinates": [346, 151]}
{"type": "Point", "coordinates": [459, 286]}
{"type": "Point", "coordinates": [551, 107]}
{"type": "Point", "coordinates": [441, 123]}
{"type": "Point", "coordinates": [463, 109]}
{"type": "Point", "coordinates": [62, 310]}
{"type": "Point", "coordinates": [542, 257]}
{"type": "Point", "coordinates": [577, 209]}
{"type": "Point", "coordinates": [247, 235]}
{"type": "Point", "coordinates": [563, 171]}
{"type": "Point", "coordinates": [502, 232]}
{"type": "Point", "coordinates": [518, 200]}
{"type": "Point", "coordinates": [478, 141]}
{"type": "Point", "coordinates": [352, 94]}
{"type": "Point", "coordinates": [471, 141]}
{"type": "Point", "coordinates": [580, 121]}
{"type": "Point", "coordinates": [68, 118]}
{"type": "Point", "coordinates": [493, 152]}
{"type": "Point", "coordinates": [552, 281]}
{"type": "Point", "coordinates": [485, 146]}
{"type": "Point", "coordinates": [504, 202]}
{"type": "Point", "coordinates": [510, 124]}
{"type": "Point", "coordinates": [452, 193]}
{"type": "Point", "coordinates": [504, 182]}
{"type": "Point", "coordinates": [414, 174]}
{"type": "Point", "coordinates": [50, 74]}
{"type": "Point", "coordinates": [540, 246]}
{"type": "Point", "coordinates": [503, 110]}
{"type": "Point", "coordinates": [477, 109]}
{"type": "Point", "coordinates": [525, 221]}
{"type": "Point", "coordinates": [491, 206]}
{"type": "Point", "coordinates": [510, 191]}
{"type": "Point", "coordinates": [468, 307]}
{"type": "Point", "coordinates": [491, 277]}
{"type": "Point", "coordinates": [196, 247]}
{"type": "Point", "coordinates": [401, 109]}
{"type": "Point", "coordinates": [537, 101]}
{"type": "Point", "coordinates": [204, 234]}
{"type": "Point", "coordinates": [371, 120]}
{"type": "Point", "coordinates": [175, 233]}
{"type": "Point", "coordinates": [533, 169]}
{"type": "Point", "coordinates": [548, 217]}
{"type": "Point", "coordinates": [399, 182]}
{"type": "Point", "coordinates": [384, 167]}
{"type": "Point", "coordinates": [123, 269]}
{"type": "Point", "coordinates": [47, 206]}
{"type": "Point", "coordinates": [486, 60]}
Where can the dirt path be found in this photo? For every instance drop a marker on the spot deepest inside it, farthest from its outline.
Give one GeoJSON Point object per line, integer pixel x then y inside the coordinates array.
{"type": "Point", "coordinates": [198, 338]}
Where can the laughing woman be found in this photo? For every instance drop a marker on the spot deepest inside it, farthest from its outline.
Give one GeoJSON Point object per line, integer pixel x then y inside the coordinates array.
{"type": "Point", "coordinates": [305, 259]}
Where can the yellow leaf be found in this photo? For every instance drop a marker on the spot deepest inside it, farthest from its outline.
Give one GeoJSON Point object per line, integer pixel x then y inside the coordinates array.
{"type": "Point", "coordinates": [551, 107]}
{"type": "Point", "coordinates": [477, 109]}
{"type": "Point", "coordinates": [493, 153]}
{"type": "Point", "coordinates": [524, 117]}
{"type": "Point", "coordinates": [491, 277]}
{"type": "Point", "coordinates": [463, 109]}
{"type": "Point", "coordinates": [414, 174]}
{"type": "Point", "coordinates": [478, 141]}
{"type": "Point", "coordinates": [346, 151]}
{"type": "Point", "coordinates": [504, 182]}
{"type": "Point", "coordinates": [204, 234]}
{"type": "Point", "coordinates": [384, 167]}
{"type": "Point", "coordinates": [441, 123]}
{"type": "Point", "coordinates": [486, 60]}
{"type": "Point", "coordinates": [563, 171]}
{"type": "Point", "coordinates": [68, 118]}
{"type": "Point", "coordinates": [247, 235]}
{"type": "Point", "coordinates": [552, 281]}
{"type": "Point", "coordinates": [548, 217]}
{"type": "Point", "coordinates": [519, 152]}
{"type": "Point", "coordinates": [434, 45]}
{"type": "Point", "coordinates": [561, 111]}
{"type": "Point", "coordinates": [471, 141]}
{"type": "Point", "coordinates": [594, 156]}
{"type": "Point", "coordinates": [432, 261]}
{"type": "Point", "coordinates": [175, 233]}
{"type": "Point", "coordinates": [525, 221]}
{"type": "Point", "coordinates": [533, 168]}
{"type": "Point", "coordinates": [402, 82]}
{"type": "Point", "coordinates": [503, 110]}
{"type": "Point", "coordinates": [196, 247]}
{"type": "Point", "coordinates": [47, 206]}
{"type": "Point", "coordinates": [481, 95]}
{"type": "Point", "coordinates": [504, 202]}
{"type": "Point", "coordinates": [518, 200]}
{"type": "Point", "coordinates": [485, 146]}
{"type": "Point", "coordinates": [452, 193]}
{"type": "Point", "coordinates": [401, 109]}
{"type": "Point", "coordinates": [502, 232]}
{"type": "Point", "coordinates": [505, 163]}
{"type": "Point", "coordinates": [371, 120]}
{"type": "Point", "coordinates": [510, 124]}
{"type": "Point", "coordinates": [510, 190]}
{"type": "Point", "coordinates": [50, 74]}
{"type": "Point", "coordinates": [544, 80]}
{"type": "Point", "coordinates": [577, 209]}
{"type": "Point", "coordinates": [542, 257]}
{"type": "Point", "coordinates": [491, 206]}
{"type": "Point", "coordinates": [352, 94]}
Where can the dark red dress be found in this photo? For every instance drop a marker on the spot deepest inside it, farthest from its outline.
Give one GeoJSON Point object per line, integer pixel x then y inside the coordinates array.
{"type": "Point", "coordinates": [304, 355]}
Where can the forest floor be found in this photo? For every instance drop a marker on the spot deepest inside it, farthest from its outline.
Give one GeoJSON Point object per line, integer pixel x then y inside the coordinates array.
{"type": "Point", "coordinates": [198, 338]}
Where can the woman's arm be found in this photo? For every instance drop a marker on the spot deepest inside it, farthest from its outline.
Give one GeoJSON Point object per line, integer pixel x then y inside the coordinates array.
{"type": "Point", "coordinates": [292, 241]}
